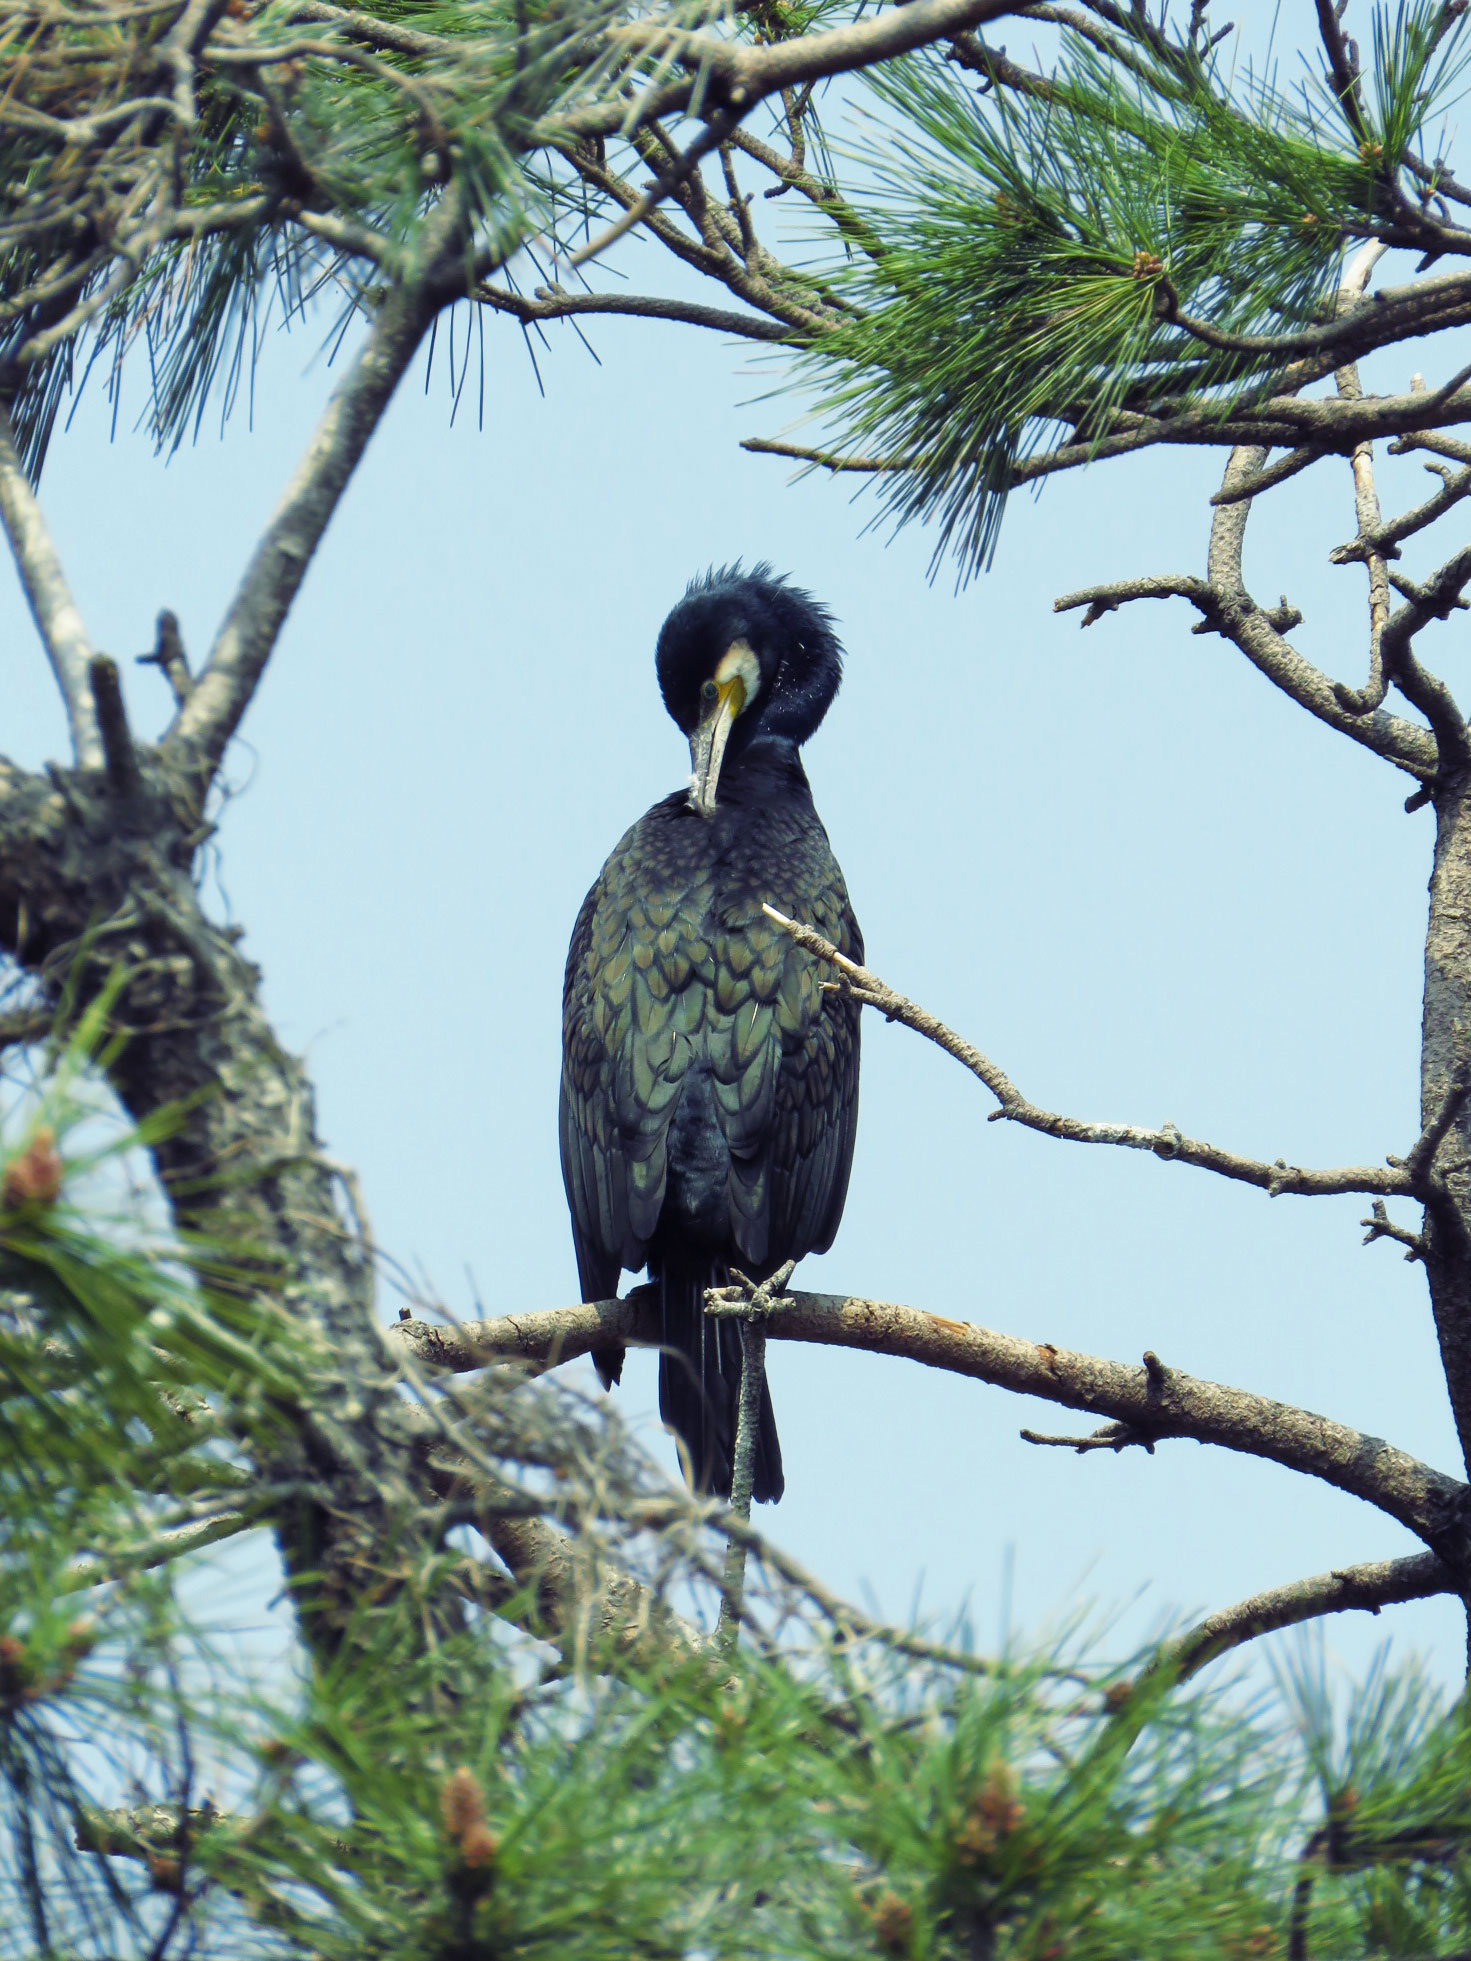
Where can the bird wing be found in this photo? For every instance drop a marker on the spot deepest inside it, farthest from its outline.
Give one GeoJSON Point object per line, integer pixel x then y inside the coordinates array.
{"type": "Point", "coordinates": [597, 1263]}
{"type": "Point", "coordinates": [633, 1006]}
{"type": "Point", "coordinates": [788, 1091]}
{"type": "Point", "coordinates": [816, 1120]}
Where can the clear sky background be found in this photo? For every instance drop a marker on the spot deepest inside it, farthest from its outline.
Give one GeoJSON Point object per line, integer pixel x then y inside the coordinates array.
{"type": "Point", "coordinates": [1118, 861]}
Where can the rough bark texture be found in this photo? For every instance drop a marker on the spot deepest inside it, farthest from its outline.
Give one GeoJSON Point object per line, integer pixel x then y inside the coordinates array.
{"type": "Point", "coordinates": [1445, 1052]}
{"type": "Point", "coordinates": [90, 883]}
{"type": "Point", "coordinates": [1147, 1404]}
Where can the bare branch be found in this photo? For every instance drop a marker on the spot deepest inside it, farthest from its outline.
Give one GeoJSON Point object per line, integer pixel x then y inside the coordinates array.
{"type": "Point", "coordinates": [1419, 1166]}
{"type": "Point", "coordinates": [1236, 615]}
{"type": "Point", "coordinates": [1113, 1436]}
{"type": "Point", "coordinates": [1312, 428]}
{"type": "Point", "coordinates": [169, 658]}
{"type": "Point", "coordinates": [160, 1549]}
{"type": "Point", "coordinates": [683, 166]}
{"type": "Point", "coordinates": [124, 778]}
{"type": "Point", "coordinates": [1365, 1588]}
{"type": "Point", "coordinates": [1365, 700]}
{"type": "Point", "coordinates": [827, 459]}
{"type": "Point", "coordinates": [1435, 442]}
{"type": "Point", "coordinates": [1154, 1401]}
{"type": "Point", "coordinates": [1387, 538]}
{"type": "Point", "coordinates": [1167, 1142]}
{"type": "Point", "coordinates": [788, 298]}
{"type": "Point", "coordinates": [52, 606]}
{"type": "Point", "coordinates": [583, 1606]}
{"type": "Point", "coordinates": [1434, 601]}
{"type": "Point", "coordinates": [376, 32]}
{"type": "Point", "coordinates": [1100, 600]}
{"type": "Point", "coordinates": [1343, 69]}
{"type": "Point", "coordinates": [555, 303]}
{"type": "Point", "coordinates": [792, 173]}
{"type": "Point", "coordinates": [1307, 429]}
{"type": "Point", "coordinates": [1380, 1226]}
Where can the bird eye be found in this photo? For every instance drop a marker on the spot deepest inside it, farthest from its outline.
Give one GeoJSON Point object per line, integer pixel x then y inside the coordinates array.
{"type": "Point", "coordinates": [708, 693]}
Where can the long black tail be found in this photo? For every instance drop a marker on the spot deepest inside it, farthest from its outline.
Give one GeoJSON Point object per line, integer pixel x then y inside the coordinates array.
{"type": "Point", "coordinates": [699, 1383]}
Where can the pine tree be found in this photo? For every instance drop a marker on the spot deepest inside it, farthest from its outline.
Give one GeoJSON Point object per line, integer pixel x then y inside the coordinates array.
{"type": "Point", "coordinates": [518, 1720]}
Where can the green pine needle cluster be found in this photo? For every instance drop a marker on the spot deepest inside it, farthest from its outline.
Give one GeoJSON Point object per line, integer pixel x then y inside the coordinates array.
{"type": "Point", "coordinates": [149, 205]}
{"type": "Point", "coordinates": [1035, 248]}
{"type": "Point", "coordinates": [476, 1798]}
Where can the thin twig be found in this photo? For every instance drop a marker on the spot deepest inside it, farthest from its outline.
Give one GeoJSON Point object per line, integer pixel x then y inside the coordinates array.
{"type": "Point", "coordinates": [1166, 1142]}
{"type": "Point", "coordinates": [169, 658]}
{"type": "Point", "coordinates": [159, 1550]}
{"type": "Point", "coordinates": [1380, 1226]}
{"type": "Point", "coordinates": [1363, 701]}
{"type": "Point", "coordinates": [554, 303]}
{"type": "Point", "coordinates": [826, 458]}
{"type": "Point", "coordinates": [1113, 1436]}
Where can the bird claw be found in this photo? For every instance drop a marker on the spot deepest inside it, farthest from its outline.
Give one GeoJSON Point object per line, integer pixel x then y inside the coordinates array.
{"type": "Point", "coordinates": [751, 1300]}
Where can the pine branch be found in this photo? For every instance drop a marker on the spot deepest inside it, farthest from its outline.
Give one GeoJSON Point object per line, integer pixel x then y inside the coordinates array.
{"type": "Point", "coordinates": [1154, 1401]}
{"type": "Point", "coordinates": [1366, 1589]}
{"type": "Point", "coordinates": [739, 75]}
{"type": "Point", "coordinates": [555, 303]}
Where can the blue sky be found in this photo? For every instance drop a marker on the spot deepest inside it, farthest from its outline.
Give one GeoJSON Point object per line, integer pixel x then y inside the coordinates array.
{"type": "Point", "coordinates": [1144, 883]}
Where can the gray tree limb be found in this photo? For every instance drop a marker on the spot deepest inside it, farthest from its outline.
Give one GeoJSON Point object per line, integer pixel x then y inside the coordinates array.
{"type": "Point", "coordinates": [1365, 1588]}
{"type": "Point", "coordinates": [1156, 1402]}
{"type": "Point", "coordinates": [52, 607]}
{"type": "Point", "coordinates": [1236, 615]}
{"type": "Point", "coordinates": [555, 303]}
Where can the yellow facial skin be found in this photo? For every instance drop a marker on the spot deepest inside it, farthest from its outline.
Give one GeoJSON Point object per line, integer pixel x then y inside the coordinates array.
{"type": "Point", "coordinates": [735, 682]}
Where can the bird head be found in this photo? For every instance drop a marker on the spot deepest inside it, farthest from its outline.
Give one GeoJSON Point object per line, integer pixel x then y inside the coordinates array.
{"type": "Point", "coordinates": [744, 656]}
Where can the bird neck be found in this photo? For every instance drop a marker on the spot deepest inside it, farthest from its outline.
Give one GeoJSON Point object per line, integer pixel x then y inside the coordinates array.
{"type": "Point", "coordinates": [769, 766]}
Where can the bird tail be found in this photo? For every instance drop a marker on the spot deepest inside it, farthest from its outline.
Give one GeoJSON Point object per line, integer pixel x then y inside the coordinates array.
{"type": "Point", "coordinates": [699, 1384]}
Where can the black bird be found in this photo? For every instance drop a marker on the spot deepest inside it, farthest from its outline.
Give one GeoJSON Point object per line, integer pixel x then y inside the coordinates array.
{"type": "Point", "coordinates": [709, 1083]}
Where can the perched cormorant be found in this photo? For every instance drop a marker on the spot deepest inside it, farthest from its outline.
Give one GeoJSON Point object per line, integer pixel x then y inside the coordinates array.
{"type": "Point", "coordinates": [709, 1082]}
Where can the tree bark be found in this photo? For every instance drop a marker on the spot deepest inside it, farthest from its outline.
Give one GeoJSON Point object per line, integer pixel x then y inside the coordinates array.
{"type": "Point", "coordinates": [91, 883]}
{"type": "Point", "coordinates": [1444, 1056]}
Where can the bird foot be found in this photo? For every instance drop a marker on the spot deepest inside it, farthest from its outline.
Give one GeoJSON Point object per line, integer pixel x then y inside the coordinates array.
{"type": "Point", "coordinates": [750, 1300]}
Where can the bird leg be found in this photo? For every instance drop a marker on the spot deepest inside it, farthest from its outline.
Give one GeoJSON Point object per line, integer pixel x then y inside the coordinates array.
{"type": "Point", "coordinates": [751, 1300]}
{"type": "Point", "coordinates": [751, 1303]}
